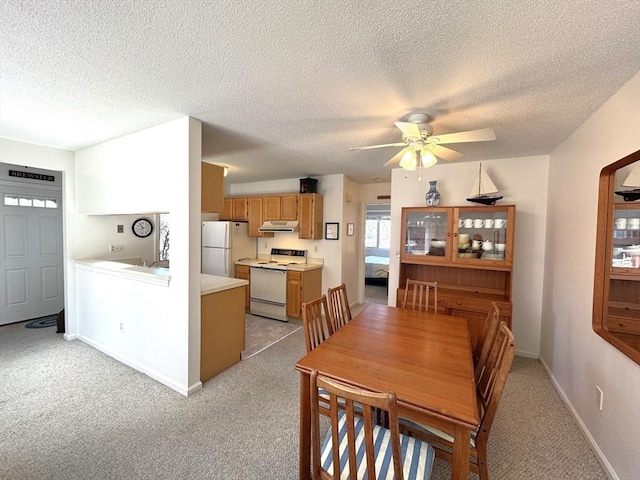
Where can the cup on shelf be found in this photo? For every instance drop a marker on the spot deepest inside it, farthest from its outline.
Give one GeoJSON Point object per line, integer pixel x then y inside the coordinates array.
{"type": "Point", "coordinates": [488, 223]}
{"type": "Point", "coordinates": [476, 244]}
{"type": "Point", "coordinates": [621, 223]}
{"type": "Point", "coordinates": [487, 246]}
{"type": "Point", "coordinates": [502, 222]}
{"type": "Point", "coordinates": [460, 222]}
{"type": "Point", "coordinates": [500, 247]}
{"type": "Point", "coordinates": [633, 223]}
{"type": "Point", "coordinates": [463, 238]}
{"type": "Point", "coordinates": [468, 223]}
{"type": "Point", "coordinates": [479, 223]}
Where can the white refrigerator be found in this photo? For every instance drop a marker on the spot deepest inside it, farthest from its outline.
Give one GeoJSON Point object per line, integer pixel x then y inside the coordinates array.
{"type": "Point", "coordinates": [223, 243]}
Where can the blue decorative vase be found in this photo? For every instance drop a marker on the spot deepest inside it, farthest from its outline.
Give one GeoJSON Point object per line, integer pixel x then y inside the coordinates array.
{"type": "Point", "coordinates": [432, 197]}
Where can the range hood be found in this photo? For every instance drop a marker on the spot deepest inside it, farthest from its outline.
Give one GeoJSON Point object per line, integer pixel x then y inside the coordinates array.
{"type": "Point", "coordinates": [279, 226]}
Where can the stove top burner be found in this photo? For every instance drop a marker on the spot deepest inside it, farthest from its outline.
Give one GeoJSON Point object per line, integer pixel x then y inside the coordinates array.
{"type": "Point", "coordinates": [281, 259]}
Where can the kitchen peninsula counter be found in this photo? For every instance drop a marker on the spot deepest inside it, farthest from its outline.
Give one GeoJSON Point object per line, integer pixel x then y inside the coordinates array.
{"type": "Point", "coordinates": [213, 283]}
{"type": "Point", "coordinates": [154, 275]}
{"type": "Point", "coordinates": [221, 323]}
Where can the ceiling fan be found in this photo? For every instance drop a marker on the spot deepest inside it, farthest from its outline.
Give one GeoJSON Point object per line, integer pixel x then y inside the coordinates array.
{"type": "Point", "coordinates": [420, 144]}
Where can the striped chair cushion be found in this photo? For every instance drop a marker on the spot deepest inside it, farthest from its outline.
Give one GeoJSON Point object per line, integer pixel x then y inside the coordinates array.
{"type": "Point", "coordinates": [417, 455]}
{"type": "Point", "coordinates": [435, 432]}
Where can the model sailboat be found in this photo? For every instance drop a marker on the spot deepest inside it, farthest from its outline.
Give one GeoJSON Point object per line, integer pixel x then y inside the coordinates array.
{"type": "Point", "coordinates": [483, 190]}
{"type": "Point", "coordinates": [632, 180]}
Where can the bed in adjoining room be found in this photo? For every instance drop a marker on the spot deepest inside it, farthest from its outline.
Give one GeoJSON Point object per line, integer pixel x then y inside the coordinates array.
{"type": "Point", "coordinates": [376, 270]}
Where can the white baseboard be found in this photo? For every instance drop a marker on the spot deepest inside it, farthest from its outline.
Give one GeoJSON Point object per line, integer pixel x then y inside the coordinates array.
{"type": "Point", "coordinates": [181, 389]}
{"type": "Point", "coordinates": [521, 353]}
{"type": "Point", "coordinates": [592, 442]}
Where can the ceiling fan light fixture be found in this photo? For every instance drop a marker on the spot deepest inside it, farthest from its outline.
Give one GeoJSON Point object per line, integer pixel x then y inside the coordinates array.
{"type": "Point", "coordinates": [428, 159]}
{"type": "Point", "coordinates": [408, 160]}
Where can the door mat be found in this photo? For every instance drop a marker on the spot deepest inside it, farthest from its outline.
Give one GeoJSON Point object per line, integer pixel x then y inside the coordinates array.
{"type": "Point", "coordinates": [50, 321]}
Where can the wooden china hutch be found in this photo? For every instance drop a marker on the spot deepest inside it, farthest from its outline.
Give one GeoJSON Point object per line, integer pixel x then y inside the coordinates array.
{"type": "Point", "coordinates": [468, 251]}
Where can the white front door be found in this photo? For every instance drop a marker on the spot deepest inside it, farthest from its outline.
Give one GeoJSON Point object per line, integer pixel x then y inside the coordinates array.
{"type": "Point", "coordinates": [31, 274]}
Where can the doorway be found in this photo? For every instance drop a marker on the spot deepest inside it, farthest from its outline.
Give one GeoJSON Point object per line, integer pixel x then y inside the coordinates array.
{"type": "Point", "coordinates": [376, 252]}
{"type": "Point", "coordinates": [31, 274]}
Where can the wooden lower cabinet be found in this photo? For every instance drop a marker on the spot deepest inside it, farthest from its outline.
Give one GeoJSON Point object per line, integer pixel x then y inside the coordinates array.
{"type": "Point", "coordinates": [221, 331]}
{"type": "Point", "coordinates": [302, 287]}
{"type": "Point", "coordinates": [244, 272]}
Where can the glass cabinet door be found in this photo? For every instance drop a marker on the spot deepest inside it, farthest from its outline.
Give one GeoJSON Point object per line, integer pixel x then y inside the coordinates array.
{"type": "Point", "coordinates": [425, 233]}
{"type": "Point", "coordinates": [626, 238]}
{"type": "Point", "coordinates": [483, 235]}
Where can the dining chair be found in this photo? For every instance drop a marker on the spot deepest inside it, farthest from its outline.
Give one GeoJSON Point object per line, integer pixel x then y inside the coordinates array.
{"type": "Point", "coordinates": [317, 327]}
{"type": "Point", "coordinates": [355, 444]}
{"type": "Point", "coordinates": [485, 341]}
{"type": "Point", "coordinates": [340, 311]}
{"type": "Point", "coordinates": [416, 291]}
{"type": "Point", "coordinates": [489, 390]}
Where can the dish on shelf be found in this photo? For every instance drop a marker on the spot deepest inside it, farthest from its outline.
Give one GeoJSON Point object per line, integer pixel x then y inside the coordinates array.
{"type": "Point", "coordinates": [418, 252]}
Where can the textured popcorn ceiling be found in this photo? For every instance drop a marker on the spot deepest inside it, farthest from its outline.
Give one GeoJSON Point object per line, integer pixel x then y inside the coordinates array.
{"type": "Point", "coordinates": [285, 87]}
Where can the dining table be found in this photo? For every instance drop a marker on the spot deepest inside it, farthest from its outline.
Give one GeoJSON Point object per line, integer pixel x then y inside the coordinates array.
{"type": "Point", "coordinates": [424, 357]}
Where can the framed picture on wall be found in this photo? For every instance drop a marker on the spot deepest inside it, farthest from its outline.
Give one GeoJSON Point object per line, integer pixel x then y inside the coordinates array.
{"type": "Point", "coordinates": [349, 229]}
{"type": "Point", "coordinates": [331, 231]}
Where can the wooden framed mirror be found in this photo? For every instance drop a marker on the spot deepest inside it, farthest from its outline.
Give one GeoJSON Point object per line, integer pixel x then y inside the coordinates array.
{"type": "Point", "coordinates": [616, 291]}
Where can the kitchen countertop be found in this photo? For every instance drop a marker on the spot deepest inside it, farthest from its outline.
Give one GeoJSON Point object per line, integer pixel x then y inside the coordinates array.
{"type": "Point", "coordinates": [213, 283]}
{"type": "Point", "coordinates": [312, 263]}
{"type": "Point", "coordinates": [155, 275]}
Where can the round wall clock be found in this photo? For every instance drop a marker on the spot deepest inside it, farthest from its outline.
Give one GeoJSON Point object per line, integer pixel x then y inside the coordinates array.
{"type": "Point", "coordinates": [142, 228]}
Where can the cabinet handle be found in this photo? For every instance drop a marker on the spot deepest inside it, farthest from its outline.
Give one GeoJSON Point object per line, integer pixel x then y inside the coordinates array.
{"type": "Point", "coordinates": [459, 303]}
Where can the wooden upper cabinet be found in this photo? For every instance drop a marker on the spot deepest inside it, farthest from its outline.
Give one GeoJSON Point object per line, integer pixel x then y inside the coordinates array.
{"type": "Point", "coordinates": [212, 188]}
{"type": "Point", "coordinates": [280, 207]}
{"type": "Point", "coordinates": [240, 209]}
{"type": "Point", "coordinates": [255, 214]}
{"type": "Point", "coordinates": [289, 207]}
{"type": "Point", "coordinates": [227, 209]}
{"type": "Point", "coordinates": [272, 207]}
{"type": "Point", "coordinates": [310, 210]}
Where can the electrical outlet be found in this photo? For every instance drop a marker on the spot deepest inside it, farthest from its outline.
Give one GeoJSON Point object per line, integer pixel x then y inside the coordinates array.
{"type": "Point", "coordinates": [266, 244]}
{"type": "Point", "coordinates": [120, 228]}
{"type": "Point", "coordinates": [315, 249]}
{"type": "Point", "coordinates": [599, 397]}
{"type": "Point", "coordinates": [121, 327]}
{"type": "Point", "coordinates": [116, 248]}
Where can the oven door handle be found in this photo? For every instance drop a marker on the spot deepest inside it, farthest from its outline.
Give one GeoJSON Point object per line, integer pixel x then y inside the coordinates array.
{"type": "Point", "coordinates": [268, 302]}
{"type": "Point", "coordinates": [271, 270]}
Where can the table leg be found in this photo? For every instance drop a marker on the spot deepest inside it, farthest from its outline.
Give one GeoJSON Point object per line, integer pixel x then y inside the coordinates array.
{"type": "Point", "coordinates": [461, 451]}
{"type": "Point", "coordinates": [305, 427]}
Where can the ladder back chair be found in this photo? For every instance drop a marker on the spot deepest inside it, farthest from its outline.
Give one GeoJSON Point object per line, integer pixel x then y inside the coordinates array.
{"type": "Point", "coordinates": [489, 389]}
{"type": "Point", "coordinates": [339, 306]}
{"type": "Point", "coordinates": [366, 444]}
{"type": "Point", "coordinates": [486, 339]}
{"type": "Point", "coordinates": [416, 295]}
{"type": "Point", "coordinates": [317, 328]}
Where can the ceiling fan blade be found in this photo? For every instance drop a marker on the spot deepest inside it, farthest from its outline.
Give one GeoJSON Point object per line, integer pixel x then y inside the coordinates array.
{"type": "Point", "coordinates": [401, 144]}
{"type": "Point", "coordinates": [445, 153]}
{"type": "Point", "coordinates": [482, 135]}
{"type": "Point", "coordinates": [408, 129]}
{"type": "Point", "coordinates": [397, 157]}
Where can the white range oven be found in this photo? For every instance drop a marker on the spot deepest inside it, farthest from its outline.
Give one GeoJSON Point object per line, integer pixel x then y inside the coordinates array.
{"type": "Point", "coordinates": [269, 282]}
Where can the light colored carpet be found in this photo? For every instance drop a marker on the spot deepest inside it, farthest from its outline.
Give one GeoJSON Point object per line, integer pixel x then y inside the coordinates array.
{"type": "Point", "coordinates": [67, 411]}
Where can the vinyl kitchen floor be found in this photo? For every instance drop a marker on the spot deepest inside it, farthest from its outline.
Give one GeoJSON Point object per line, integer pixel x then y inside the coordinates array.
{"type": "Point", "coordinates": [262, 332]}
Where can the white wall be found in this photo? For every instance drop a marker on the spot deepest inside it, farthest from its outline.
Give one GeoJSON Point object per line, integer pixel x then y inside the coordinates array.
{"type": "Point", "coordinates": [132, 174]}
{"type": "Point", "coordinates": [351, 250]}
{"type": "Point", "coordinates": [523, 182]}
{"type": "Point", "coordinates": [577, 357]}
{"type": "Point", "coordinates": [331, 187]}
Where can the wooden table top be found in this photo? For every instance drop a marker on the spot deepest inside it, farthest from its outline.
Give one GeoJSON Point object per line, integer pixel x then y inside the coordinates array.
{"type": "Point", "coordinates": [425, 358]}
